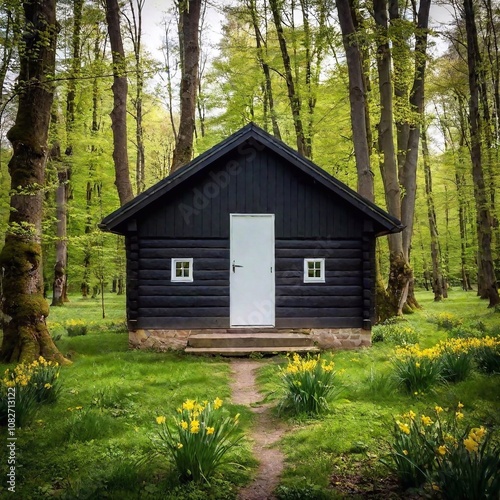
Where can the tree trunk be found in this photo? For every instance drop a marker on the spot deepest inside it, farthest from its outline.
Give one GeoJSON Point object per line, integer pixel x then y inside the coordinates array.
{"type": "Point", "coordinates": [295, 103]}
{"type": "Point", "coordinates": [190, 56]}
{"type": "Point", "coordinates": [26, 336]}
{"type": "Point", "coordinates": [399, 271]}
{"type": "Point", "coordinates": [357, 98]}
{"type": "Point", "coordinates": [135, 32]}
{"type": "Point", "coordinates": [408, 172]}
{"type": "Point", "coordinates": [483, 218]}
{"type": "Point", "coordinates": [268, 88]}
{"type": "Point", "coordinates": [437, 275]}
{"type": "Point", "coordinates": [119, 112]}
{"type": "Point", "coordinates": [58, 285]}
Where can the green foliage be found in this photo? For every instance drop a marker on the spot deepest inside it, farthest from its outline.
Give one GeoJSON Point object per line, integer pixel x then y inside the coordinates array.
{"type": "Point", "coordinates": [469, 470]}
{"type": "Point", "coordinates": [487, 358]}
{"type": "Point", "coordinates": [75, 327]}
{"type": "Point", "coordinates": [203, 436]}
{"type": "Point", "coordinates": [459, 463]}
{"type": "Point", "coordinates": [446, 321]}
{"type": "Point", "coordinates": [456, 366]}
{"type": "Point", "coordinates": [308, 383]}
{"type": "Point", "coordinates": [86, 424]}
{"type": "Point", "coordinates": [28, 385]}
{"type": "Point", "coordinates": [394, 331]}
{"type": "Point", "coordinates": [416, 374]}
{"type": "Point", "coordinates": [303, 490]}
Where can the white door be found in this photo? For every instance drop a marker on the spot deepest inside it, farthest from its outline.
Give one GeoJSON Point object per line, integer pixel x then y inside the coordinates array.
{"type": "Point", "coordinates": [251, 270]}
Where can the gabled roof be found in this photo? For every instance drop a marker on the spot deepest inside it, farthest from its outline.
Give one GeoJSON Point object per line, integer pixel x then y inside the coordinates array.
{"type": "Point", "coordinates": [251, 131]}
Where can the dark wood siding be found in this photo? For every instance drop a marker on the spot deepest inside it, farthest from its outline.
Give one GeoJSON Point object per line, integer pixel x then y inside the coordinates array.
{"type": "Point", "coordinates": [193, 222]}
{"type": "Point", "coordinates": [336, 303]}
{"type": "Point", "coordinates": [252, 181]}
{"type": "Point", "coordinates": [204, 303]}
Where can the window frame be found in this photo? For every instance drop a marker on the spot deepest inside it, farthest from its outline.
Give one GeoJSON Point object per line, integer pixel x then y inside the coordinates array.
{"type": "Point", "coordinates": [173, 269]}
{"type": "Point", "coordinates": [322, 277]}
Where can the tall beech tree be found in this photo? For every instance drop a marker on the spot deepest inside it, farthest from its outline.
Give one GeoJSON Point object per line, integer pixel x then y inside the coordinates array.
{"type": "Point", "coordinates": [119, 113]}
{"type": "Point", "coordinates": [399, 164]}
{"type": "Point", "coordinates": [189, 21]}
{"type": "Point", "coordinates": [60, 283]}
{"type": "Point", "coordinates": [303, 143]}
{"type": "Point", "coordinates": [26, 335]}
{"type": "Point", "coordinates": [486, 271]}
{"type": "Point", "coordinates": [357, 98]}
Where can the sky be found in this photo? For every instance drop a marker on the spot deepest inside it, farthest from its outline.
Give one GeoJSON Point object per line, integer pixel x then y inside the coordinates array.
{"type": "Point", "coordinates": [156, 10]}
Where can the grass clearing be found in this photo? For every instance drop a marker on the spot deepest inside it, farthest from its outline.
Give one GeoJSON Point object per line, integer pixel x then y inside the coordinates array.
{"type": "Point", "coordinates": [95, 440]}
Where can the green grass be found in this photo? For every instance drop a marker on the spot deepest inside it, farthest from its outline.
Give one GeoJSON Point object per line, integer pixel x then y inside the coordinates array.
{"type": "Point", "coordinates": [100, 429]}
{"type": "Point", "coordinates": [94, 442]}
{"type": "Point", "coordinates": [352, 438]}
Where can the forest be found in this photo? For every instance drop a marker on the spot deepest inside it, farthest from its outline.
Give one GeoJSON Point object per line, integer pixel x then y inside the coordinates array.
{"type": "Point", "coordinates": [400, 107]}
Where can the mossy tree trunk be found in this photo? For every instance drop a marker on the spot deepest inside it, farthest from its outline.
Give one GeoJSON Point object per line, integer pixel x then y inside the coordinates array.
{"type": "Point", "coordinates": [25, 331]}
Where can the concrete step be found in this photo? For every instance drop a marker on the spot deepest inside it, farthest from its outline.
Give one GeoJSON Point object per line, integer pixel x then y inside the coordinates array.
{"type": "Point", "coordinates": [252, 341]}
{"type": "Point", "coordinates": [246, 351]}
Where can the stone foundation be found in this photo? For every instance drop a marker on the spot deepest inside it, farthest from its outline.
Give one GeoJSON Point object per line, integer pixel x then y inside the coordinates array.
{"type": "Point", "coordinates": [177, 340]}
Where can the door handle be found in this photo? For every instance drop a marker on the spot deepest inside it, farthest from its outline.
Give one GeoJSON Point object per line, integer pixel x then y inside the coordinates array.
{"type": "Point", "coordinates": [235, 266]}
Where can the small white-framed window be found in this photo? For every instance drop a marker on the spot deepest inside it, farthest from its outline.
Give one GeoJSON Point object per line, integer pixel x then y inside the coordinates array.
{"type": "Point", "coordinates": [182, 270]}
{"type": "Point", "coordinates": [314, 270]}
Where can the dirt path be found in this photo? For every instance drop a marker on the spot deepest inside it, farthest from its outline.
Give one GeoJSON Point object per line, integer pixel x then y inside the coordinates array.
{"type": "Point", "coordinates": [265, 433]}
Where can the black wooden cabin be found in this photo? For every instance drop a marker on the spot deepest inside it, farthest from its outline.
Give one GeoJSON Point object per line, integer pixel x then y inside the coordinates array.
{"type": "Point", "coordinates": [250, 234]}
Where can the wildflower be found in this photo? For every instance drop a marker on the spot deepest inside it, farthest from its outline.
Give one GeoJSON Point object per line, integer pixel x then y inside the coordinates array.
{"type": "Point", "coordinates": [412, 414]}
{"type": "Point", "coordinates": [160, 420]}
{"type": "Point", "coordinates": [459, 415]}
{"type": "Point", "coordinates": [188, 404]}
{"type": "Point", "coordinates": [404, 428]}
{"type": "Point", "coordinates": [47, 386]}
{"type": "Point", "coordinates": [460, 405]}
{"type": "Point", "coordinates": [426, 420]}
{"type": "Point", "coordinates": [471, 445]}
{"type": "Point", "coordinates": [438, 409]}
{"type": "Point", "coordinates": [477, 434]}
{"type": "Point", "coordinates": [442, 450]}
{"type": "Point", "coordinates": [210, 430]}
{"type": "Point", "coordinates": [195, 426]}
{"type": "Point", "coordinates": [217, 403]}
{"type": "Point", "coordinates": [184, 425]}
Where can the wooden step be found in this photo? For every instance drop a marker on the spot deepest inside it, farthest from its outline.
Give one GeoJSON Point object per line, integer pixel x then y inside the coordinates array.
{"type": "Point", "coordinates": [246, 351]}
{"type": "Point", "coordinates": [250, 341]}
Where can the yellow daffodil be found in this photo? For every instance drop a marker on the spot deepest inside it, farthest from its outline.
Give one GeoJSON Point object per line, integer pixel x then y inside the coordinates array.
{"type": "Point", "coordinates": [160, 420]}
{"type": "Point", "coordinates": [405, 452]}
{"type": "Point", "coordinates": [217, 403]}
{"type": "Point", "coordinates": [471, 445]}
{"type": "Point", "coordinates": [442, 450]}
{"type": "Point", "coordinates": [194, 426]}
{"type": "Point", "coordinates": [426, 420]}
{"type": "Point", "coordinates": [210, 430]}
{"type": "Point", "coordinates": [459, 415]}
{"type": "Point", "coordinates": [188, 404]}
{"type": "Point", "coordinates": [477, 433]}
{"type": "Point", "coordinates": [438, 409]}
{"type": "Point", "coordinates": [184, 425]}
{"type": "Point", "coordinates": [179, 446]}
{"type": "Point", "coordinates": [404, 427]}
